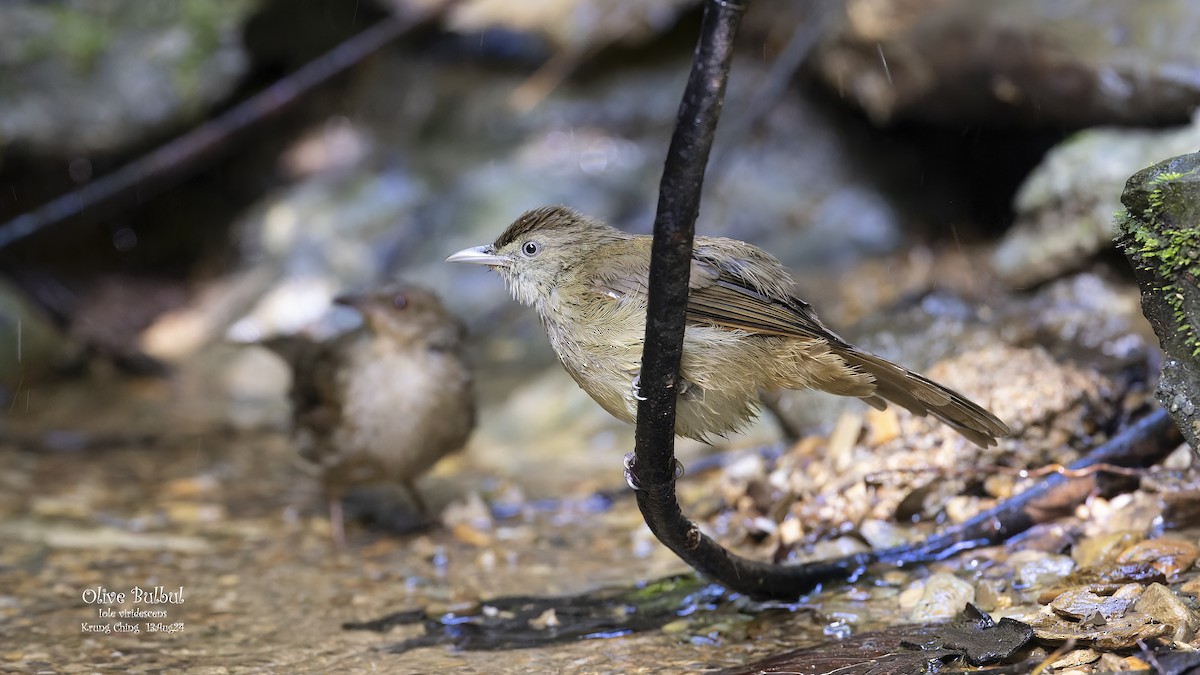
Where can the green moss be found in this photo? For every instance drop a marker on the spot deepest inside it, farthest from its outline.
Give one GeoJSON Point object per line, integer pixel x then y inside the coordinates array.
{"type": "Point", "coordinates": [80, 36]}
{"type": "Point", "coordinates": [1170, 176]}
{"type": "Point", "coordinates": [1169, 252]}
{"type": "Point", "coordinates": [207, 21]}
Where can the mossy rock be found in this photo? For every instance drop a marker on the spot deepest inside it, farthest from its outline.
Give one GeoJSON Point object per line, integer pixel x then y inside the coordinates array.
{"type": "Point", "coordinates": [1159, 231]}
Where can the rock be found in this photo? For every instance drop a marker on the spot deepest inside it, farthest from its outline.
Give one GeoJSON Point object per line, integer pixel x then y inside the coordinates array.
{"type": "Point", "coordinates": [1074, 658]}
{"type": "Point", "coordinates": [1170, 556]}
{"type": "Point", "coordinates": [992, 595]}
{"type": "Point", "coordinates": [1034, 568]}
{"type": "Point", "coordinates": [1123, 632]}
{"type": "Point", "coordinates": [1102, 548]}
{"type": "Point", "coordinates": [1179, 488]}
{"type": "Point", "coordinates": [1048, 404]}
{"type": "Point", "coordinates": [1138, 512]}
{"type": "Point", "coordinates": [1064, 208]}
{"type": "Point", "coordinates": [1120, 581]}
{"type": "Point", "coordinates": [333, 232]}
{"type": "Point", "coordinates": [1092, 319]}
{"type": "Point", "coordinates": [1158, 233]}
{"type": "Point", "coordinates": [579, 26]}
{"type": "Point", "coordinates": [86, 77]}
{"type": "Point", "coordinates": [1162, 605]}
{"type": "Point", "coordinates": [30, 347]}
{"type": "Point", "coordinates": [883, 535]}
{"type": "Point", "coordinates": [1068, 63]}
{"type": "Point", "coordinates": [1079, 604]}
{"type": "Point", "coordinates": [943, 597]}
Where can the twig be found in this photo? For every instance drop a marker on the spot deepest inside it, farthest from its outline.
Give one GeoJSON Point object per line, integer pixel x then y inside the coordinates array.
{"type": "Point", "coordinates": [653, 471]}
{"type": "Point", "coordinates": [670, 264]}
{"type": "Point", "coordinates": [1143, 443]}
{"type": "Point", "coordinates": [156, 170]}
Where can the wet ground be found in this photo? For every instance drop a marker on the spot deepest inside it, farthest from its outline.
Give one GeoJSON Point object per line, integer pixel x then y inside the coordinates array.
{"type": "Point", "coordinates": [189, 486]}
{"type": "Point", "coordinates": [228, 521]}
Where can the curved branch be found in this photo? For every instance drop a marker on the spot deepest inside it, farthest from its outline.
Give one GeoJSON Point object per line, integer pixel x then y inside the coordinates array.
{"type": "Point", "coordinates": [653, 470]}
{"type": "Point", "coordinates": [670, 262]}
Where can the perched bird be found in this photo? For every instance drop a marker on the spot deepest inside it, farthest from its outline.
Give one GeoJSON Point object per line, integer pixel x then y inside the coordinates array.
{"type": "Point", "coordinates": [384, 402]}
{"type": "Point", "coordinates": [746, 329]}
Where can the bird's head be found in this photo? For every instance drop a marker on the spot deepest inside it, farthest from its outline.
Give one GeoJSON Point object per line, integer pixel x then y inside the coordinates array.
{"type": "Point", "coordinates": [537, 252]}
{"type": "Point", "coordinates": [408, 313]}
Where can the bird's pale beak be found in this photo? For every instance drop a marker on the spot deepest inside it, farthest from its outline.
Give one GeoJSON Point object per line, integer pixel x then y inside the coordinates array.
{"type": "Point", "coordinates": [479, 255]}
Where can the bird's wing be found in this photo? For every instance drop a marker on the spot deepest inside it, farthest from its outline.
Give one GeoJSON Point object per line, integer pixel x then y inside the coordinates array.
{"type": "Point", "coordinates": [758, 298]}
{"type": "Point", "coordinates": [314, 393]}
{"type": "Point", "coordinates": [729, 301]}
{"type": "Point", "coordinates": [723, 290]}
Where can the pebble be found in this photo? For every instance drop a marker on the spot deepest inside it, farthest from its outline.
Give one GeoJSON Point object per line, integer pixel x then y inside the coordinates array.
{"type": "Point", "coordinates": [943, 597]}
{"type": "Point", "coordinates": [990, 595]}
{"type": "Point", "coordinates": [1170, 556]}
{"type": "Point", "coordinates": [1077, 657]}
{"type": "Point", "coordinates": [1034, 568]}
{"type": "Point", "coordinates": [1163, 606]}
{"type": "Point", "coordinates": [1079, 603]}
{"type": "Point", "coordinates": [881, 534]}
{"type": "Point", "coordinates": [1102, 548]}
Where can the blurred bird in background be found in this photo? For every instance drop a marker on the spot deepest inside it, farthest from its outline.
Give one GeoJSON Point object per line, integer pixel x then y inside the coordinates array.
{"type": "Point", "coordinates": [384, 402]}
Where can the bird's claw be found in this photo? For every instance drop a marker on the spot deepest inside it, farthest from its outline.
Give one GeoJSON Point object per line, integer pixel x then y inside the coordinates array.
{"type": "Point", "coordinates": [635, 388]}
{"type": "Point", "coordinates": [631, 459]}
{"type": "Point", "coordinates": [628, 462]}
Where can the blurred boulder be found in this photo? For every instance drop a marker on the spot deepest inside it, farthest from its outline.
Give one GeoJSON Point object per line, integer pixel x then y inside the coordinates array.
{"type": "Point", "coordinates": [1065, 207]}
{"type": "Point", "coordinates": [1071, 63]}
{"type": "Point", "coordinates": [577, 25]}
{"type": "Point", "coordinates": [94, 76]}
{"type": "Point", "coordinates": [30, 346]}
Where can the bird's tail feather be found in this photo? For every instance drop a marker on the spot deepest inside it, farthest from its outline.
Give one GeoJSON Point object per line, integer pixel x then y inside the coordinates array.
{"type": "Point", "coordinates": [923, 396]}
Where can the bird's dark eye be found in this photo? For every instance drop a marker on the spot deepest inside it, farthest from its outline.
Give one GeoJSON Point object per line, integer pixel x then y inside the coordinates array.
{"type": "Point", "coordinates": [531, 248]}
{"type": "Point", "coordinates": [400, 301]}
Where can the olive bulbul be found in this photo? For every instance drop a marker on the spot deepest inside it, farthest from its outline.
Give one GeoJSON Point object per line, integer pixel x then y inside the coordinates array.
{"type": "Point", "coordinates": [746, 329]}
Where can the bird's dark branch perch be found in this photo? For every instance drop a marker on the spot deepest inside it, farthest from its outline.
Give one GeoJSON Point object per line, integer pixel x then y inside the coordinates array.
{"type": "Point", "coordinates": [674, 230]}
{"type": "Point", "coordinates": [670, 264]}
{"type": "Point", "coordinates": [654, 469]}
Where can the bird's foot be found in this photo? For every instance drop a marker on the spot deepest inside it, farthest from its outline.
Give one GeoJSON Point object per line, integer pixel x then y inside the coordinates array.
{"type": "Point", "coordinates": [635, 388]}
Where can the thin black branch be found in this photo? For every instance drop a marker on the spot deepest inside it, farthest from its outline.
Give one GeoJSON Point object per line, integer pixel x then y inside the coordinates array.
{"type": "Point", "coordinates": [1141, 444]}
{"type": "Point", "coordinates": [674, 229]}
{"type": "Point", "coordinates": [172, 161]}
{"type": "Point", "coordinates": [654, 470]}
{"type": "Point", "coordinates": [670, 265]}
